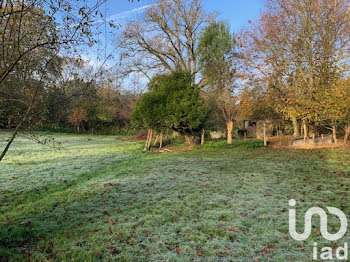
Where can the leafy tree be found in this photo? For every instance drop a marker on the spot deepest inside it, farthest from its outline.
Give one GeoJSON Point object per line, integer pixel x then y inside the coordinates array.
{"type": "Point", "coordinates": [185, 109]}
{"type": "Point", "coordinates": [174, 102]}
{"type": "Point", "coordinates": [217, 61]}
{"type": "Point", "coordinates": [149, 112]}
{"type": "Point", "coordinates": [77, 117]}
{"type": "Point", "coordinates": [300, 50]}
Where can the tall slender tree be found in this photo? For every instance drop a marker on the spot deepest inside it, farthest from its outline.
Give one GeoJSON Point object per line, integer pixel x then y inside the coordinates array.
{"type": "Point", "coordinates": [217, 59]}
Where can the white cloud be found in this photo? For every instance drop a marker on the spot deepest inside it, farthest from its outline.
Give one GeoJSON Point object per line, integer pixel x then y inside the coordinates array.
{"type": "Point", "coordinates": [124, 14]}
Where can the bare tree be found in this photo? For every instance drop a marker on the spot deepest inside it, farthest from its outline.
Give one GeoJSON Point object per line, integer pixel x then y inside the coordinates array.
{"type": "Point", "coordinates": [165, 38]}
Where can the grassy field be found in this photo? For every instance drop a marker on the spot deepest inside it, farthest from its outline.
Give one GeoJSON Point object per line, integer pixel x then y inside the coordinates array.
{"type": "Point", "coordinates": [100, 199]}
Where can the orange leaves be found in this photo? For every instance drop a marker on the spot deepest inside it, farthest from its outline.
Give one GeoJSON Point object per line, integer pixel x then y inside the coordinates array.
{"type": "Point", "coordinates": [119, 237]}
{"type": "Point", "coordinates": [241, 229]}
{"type": "Point", "coordinates": [268, 250]}
{"type": "Point", "coordinates": [111, 222]}
{"type": "Point", "coordinates": [78, 115]}
{"type": "Point", "coordinates": [107, 185]}
{"type": "Point", "coordinates": [113, 249]}
{"type": "Point", "coordinates": [232, 229]}
{"type": "Point", "coordinates": [179, 250]}
{"type": "Point", "coordinates": [70, 235]}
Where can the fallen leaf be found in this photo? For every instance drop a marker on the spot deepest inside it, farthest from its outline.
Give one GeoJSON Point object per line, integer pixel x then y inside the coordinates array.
{"type": "Point", "coordinates": [97, 254]}
{"type": "Point", "coordinates": [110, 185]}
{"type": "Point", "coordinates": [178, 250]}
{"type": "Point", "coordinates": [265, 252]}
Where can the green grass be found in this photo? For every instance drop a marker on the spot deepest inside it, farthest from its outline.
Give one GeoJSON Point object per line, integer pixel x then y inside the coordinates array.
{"type": "Point", "coordinates": [100, 199]}
{"type": "Point", "coordinates": [221, 144]}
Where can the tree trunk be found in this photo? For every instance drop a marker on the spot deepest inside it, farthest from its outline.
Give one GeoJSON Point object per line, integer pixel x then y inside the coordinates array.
{"type": "Point", "coordinates": [302, 130]}
{"type": "Point", "coordinates": [78, 128]}
{"type": "Point", "coordinates": [296, 127]}
{"type": "Point", "coordinates": [229, 126]}
{"type": "Point", "coordinates": [203, 137]}
{"type": "Point", "coordinates": [347, 132]}
{"type": "Point", "coordinates": [305, 130]}
{"type": "Point", "coordinates": [13, 136]}
{"type": "Point", "coordinates": [161, 140]}
{"type": "Point", "coordinates": [15, 132]}
{"type": "Point", "coordinates": [265, 136]}
{"type": "Point", "coordinates": [334, 131]}
{"type": "Point", "coordinates": [189, 140]}
{"type": "Point", "coordinates": [156, 140]}
{"type": "Point", "coordinates": [176, 134]}
{"type": "Point", "coordinates": [149, 139]}
{"type": "Point", "coordinates": [145, 148]}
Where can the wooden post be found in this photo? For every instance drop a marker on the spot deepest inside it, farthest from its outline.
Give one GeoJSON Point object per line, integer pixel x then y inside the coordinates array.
{"type": "Point", "coordinates": [203, 137]}
{"type": "Point", "coordinates": [265, 138]}
{"type": "Point", "coordinates": [305, 130]}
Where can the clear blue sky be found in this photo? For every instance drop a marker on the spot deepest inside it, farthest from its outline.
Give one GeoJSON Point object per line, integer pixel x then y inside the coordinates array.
{"type": "Point", "coordinates": [236, 12]}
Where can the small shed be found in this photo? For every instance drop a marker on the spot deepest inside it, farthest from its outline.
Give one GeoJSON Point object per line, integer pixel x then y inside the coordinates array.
{"type": "Point", "coordinates": [250, 128]}
{"type": "Point", "coordinates": [255, 128]}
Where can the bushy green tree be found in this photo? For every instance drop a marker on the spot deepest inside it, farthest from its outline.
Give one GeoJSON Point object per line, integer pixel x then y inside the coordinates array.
{"type": "Point", "coordinates": [185, 109]}
{"type": "Point", "coordinates": [149, 111]}
{"type": "Point", "coordinates": [216, 52]}
{"type": "Point", "coordinates": [173, 102]}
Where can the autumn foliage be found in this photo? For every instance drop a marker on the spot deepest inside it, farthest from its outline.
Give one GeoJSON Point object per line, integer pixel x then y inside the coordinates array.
{"type": "Point", "coordinates": [77, 117]}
